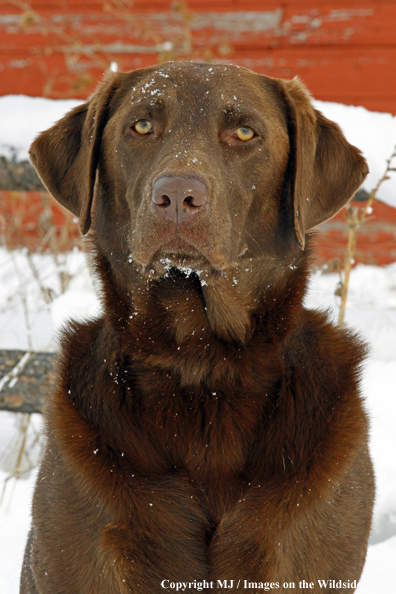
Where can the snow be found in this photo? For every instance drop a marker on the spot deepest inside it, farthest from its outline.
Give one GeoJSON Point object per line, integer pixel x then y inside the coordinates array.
{"type": "Point", "coordinates": [26, 319]}
{"type": "Point", "coordinates": [374, 134]}
{"type": "Point", "coordinates": [18, 282]}
{"type": "Point", "coordinates": [22, 118]}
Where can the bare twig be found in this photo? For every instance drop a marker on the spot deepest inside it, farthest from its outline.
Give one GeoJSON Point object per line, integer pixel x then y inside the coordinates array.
{"type": "Point", "coordinates": [356, 217]}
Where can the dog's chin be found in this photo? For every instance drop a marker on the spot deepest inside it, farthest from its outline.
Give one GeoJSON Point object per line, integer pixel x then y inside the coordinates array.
{"type": "Point", "coordinates": [181, 259]}
{"type": "Point", "coordinates": [178, 254]}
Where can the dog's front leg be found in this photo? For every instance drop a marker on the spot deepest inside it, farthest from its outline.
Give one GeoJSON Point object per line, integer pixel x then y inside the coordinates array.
{"type": "Point", "coordinates": [287, 534]}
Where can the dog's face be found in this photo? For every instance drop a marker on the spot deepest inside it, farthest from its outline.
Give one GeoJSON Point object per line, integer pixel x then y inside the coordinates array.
{"type": "Point", "coordinates": [201, 152]}
{"type": "Point", "coordinates": [198, 165]}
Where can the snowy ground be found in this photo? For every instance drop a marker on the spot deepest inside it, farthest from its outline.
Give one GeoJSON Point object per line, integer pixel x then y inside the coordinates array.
{"type": "Point", "coordinates": [371, 309]}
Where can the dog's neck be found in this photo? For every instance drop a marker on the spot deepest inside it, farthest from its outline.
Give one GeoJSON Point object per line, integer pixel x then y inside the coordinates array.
{"type": "Point", "coordinates": [182, 312]}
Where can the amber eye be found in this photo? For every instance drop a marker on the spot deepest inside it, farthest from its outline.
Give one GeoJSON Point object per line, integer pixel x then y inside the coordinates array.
{"type": "Point", "coordinates": [244, 133]}
{"type": "Point", "coordinates": [143, 127]}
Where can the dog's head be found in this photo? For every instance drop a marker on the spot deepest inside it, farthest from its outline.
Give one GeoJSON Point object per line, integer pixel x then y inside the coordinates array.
{"type": "Point", "coordinates": [198, 164]}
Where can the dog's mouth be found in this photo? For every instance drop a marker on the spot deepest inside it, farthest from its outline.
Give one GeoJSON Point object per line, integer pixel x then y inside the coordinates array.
{"type": "Point", "coordinates": [178, 255]}
{"type": "Point", "coordinates": [181, 252]}
{"type": "Point", "coordinates": [179, 247]}
{"type": "Point", "coordinates": [204, 245]}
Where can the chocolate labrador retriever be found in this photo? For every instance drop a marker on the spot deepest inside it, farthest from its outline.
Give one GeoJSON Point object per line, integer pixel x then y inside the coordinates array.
{"type": "Point", "coordinates": [206, 432]}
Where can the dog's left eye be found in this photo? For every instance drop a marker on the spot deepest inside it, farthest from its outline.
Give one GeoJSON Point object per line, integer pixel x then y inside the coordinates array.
{"type": "Point", "coordinates": [244, 133]}
{"type": "Point", "coordinates": [143, 127]}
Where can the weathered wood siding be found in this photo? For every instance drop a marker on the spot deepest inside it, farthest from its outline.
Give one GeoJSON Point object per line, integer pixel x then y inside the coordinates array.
{"type": "Point", "coordinates": [344, 50]}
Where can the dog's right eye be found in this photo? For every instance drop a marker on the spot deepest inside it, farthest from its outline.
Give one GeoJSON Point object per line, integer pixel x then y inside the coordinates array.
{"type": "Point", "coordinates": [143, 127]}
{"type": "Point", "coordinates": [244, 133]}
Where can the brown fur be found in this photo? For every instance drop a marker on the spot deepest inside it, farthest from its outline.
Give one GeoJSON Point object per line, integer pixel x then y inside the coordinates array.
{"type": "Point", "coordinates": [207, 426]}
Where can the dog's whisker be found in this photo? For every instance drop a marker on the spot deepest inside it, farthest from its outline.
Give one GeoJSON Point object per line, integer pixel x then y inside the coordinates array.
{"type": "Point", "coordinates": [120, 235]}
{"type": "Point", "coordinates": [255, 241]}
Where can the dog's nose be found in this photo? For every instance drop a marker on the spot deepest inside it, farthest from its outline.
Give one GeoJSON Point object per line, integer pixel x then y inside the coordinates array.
{"type": "Point", "coordinates": [179, 198]}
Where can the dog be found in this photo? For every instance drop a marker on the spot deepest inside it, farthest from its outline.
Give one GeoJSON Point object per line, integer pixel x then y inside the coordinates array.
{"type": "Point", "coordinates": [207, 431]}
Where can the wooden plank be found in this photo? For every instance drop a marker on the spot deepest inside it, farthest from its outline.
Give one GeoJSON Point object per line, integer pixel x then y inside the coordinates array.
{"type": "Point", "coordinates": [331, 74]}
{"type": "Point", "coordinates": [376, 239]}
{"type": "Point", "coordinates": [359, 77]}
{"type": "Point", "coordinates": [73, 6]}
{"type": "Point", "coordinates": [143, 28]}
{"type": "Point", "coordinates": [276, 26]}
{"type": "Point", "coordinates": [35, 220]}
{"type": "Point", "coordinates": [367, 23]}
{"type": "Point", "coordinates": [97, 5]}
{"type": "Point", "coordinates": [25, 380]}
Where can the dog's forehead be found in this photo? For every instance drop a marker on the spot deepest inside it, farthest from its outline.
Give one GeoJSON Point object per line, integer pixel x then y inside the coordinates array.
{"type": "Point", "coordinates": [190, 84]}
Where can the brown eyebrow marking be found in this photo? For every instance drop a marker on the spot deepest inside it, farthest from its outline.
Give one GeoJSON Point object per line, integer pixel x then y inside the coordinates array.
{"type": "Point", "coordinates": [231, 110]}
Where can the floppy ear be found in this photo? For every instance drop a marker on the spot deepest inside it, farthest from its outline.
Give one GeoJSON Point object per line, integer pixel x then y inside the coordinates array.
{"type": "Point", "coordinates": [66, 156]}
{"type": "Point", "coordinates": [325, 170]}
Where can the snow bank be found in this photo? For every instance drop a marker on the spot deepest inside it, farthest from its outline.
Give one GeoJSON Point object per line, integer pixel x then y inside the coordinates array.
{"type": "Point", "coordinates": [374, 134]}
{"type": "Point", "coordinates": [22, 118]}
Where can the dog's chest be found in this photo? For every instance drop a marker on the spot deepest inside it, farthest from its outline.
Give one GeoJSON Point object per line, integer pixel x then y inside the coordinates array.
{"type": "Point", "coordinates": [202, 427]}
{"type": "Point", "coordinates": [203, 432]}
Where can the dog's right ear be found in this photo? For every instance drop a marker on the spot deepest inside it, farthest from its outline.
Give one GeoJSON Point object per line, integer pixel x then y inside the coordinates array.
{"type": "Point", "coordinates": [66, 156]}
{"type": "Point", "coordinates": [324, 169]}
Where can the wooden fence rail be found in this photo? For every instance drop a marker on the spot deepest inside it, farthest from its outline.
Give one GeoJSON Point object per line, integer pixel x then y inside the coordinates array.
{"type": "Point", "coordinates": [25, 380]}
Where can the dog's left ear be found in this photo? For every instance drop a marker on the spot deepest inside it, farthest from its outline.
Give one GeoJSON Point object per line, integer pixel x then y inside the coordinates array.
{"type": "Point", "coordinates": [324, 169]}
{"type": "Point", "coordinates": [66, 156]}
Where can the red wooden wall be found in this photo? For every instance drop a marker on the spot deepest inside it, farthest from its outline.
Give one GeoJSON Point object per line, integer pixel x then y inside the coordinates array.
{"type": "Point", "coordinates": [345, 50]}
